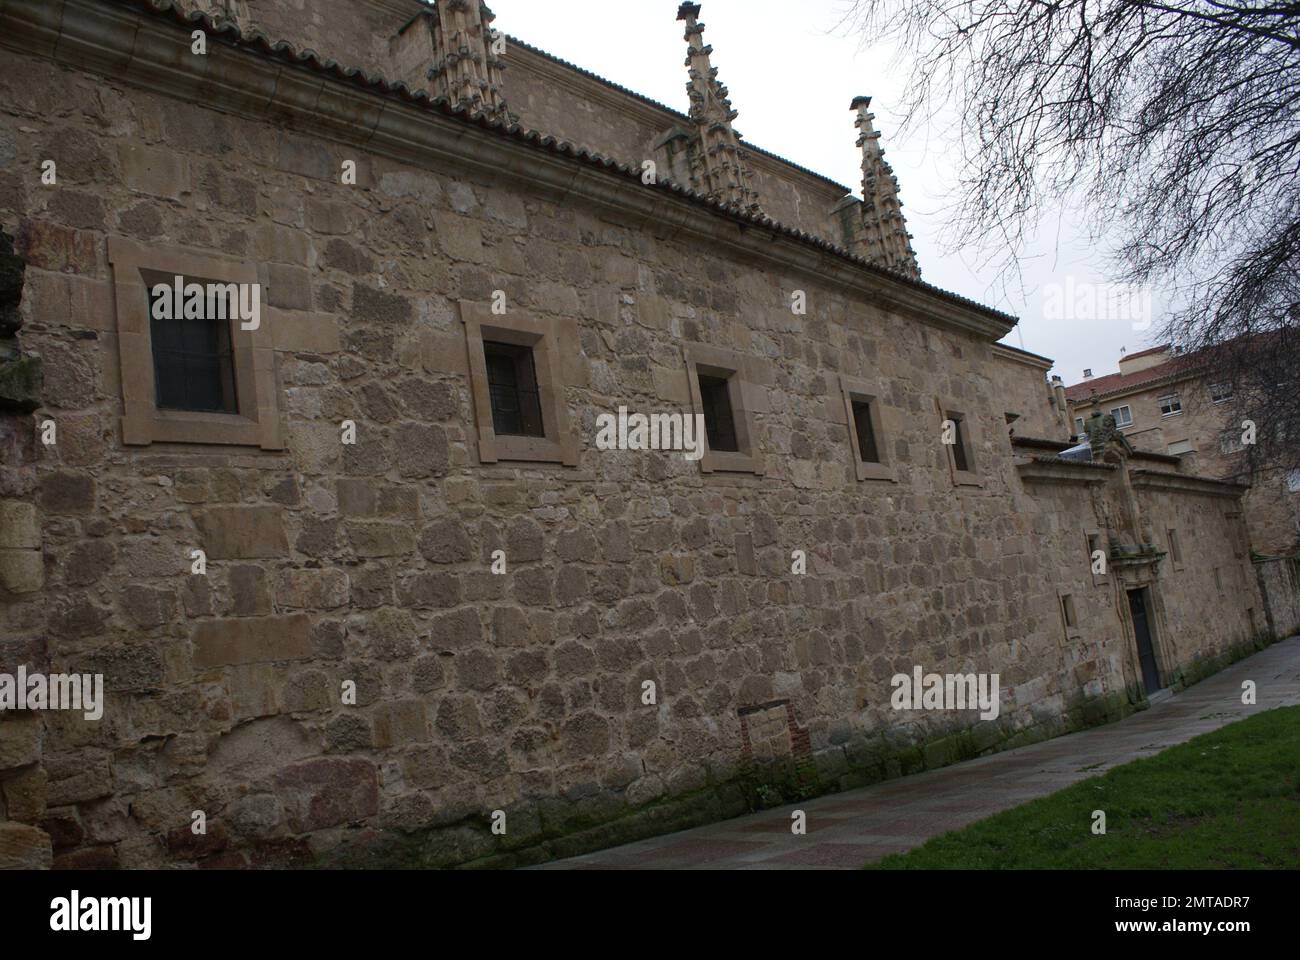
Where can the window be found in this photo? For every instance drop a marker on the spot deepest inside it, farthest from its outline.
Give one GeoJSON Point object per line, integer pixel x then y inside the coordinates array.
{"type": "Point", "coordinates": [515, 364]}
{"type": "Point", "coordinates": [1170, 405]}
{"type": "Point", "coordinates": [1293, 482]}
{"type": "Point", "coordinates": [959, 456]}
{"type": "Point", "coordinates": [866, 422]}
{"type": "Point", "coordinates": [958, 438]}
{"type": "Point", "coordinates": [1067, 610]}
{"type": "Point", "coordinates": [1175, 552]}
{"type": "Point", "coordinates": [512, 383]}
{"type": "Point", "coordinates": [1123, 416]}
{"type": "Point", "coordinates": [1069, 619]}
{"type": "Point", "coordinates": [719, 421]}
{"type": "Point", "coordinates": [867, 451]}
{"type": "Point", "coordinates": [1079, 430]}
{"type": "Point", "coordinates": [194, 369]}
{"type": "Point", "coordinates": [1220, 392]}
{"type": "Point", "coordinates": [724, 390]}
{"type": "Point", "coordinates": [193, 362]}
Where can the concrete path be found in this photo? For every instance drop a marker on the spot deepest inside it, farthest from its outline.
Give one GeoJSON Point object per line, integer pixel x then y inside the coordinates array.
{"type": "Point", "coordinates": [847, 830]}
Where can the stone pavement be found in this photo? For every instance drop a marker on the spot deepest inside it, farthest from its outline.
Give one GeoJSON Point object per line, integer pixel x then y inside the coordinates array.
{"type": "Point", "coordinates": [847, 830]}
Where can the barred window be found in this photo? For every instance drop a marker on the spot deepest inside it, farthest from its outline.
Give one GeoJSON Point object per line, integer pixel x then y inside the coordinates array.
{"type": "Point", "coordinates": [194, 365]}
{"type": "Point", "coordinates": [512, 383]}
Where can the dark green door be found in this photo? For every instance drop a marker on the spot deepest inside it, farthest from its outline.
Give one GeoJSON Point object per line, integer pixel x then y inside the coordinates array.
{"type": "Point", "coordinates": [1137, 605]}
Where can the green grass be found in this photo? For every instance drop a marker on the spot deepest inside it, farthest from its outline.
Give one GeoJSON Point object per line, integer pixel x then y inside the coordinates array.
{"type": "Point", "coordinates": [1227, 799]}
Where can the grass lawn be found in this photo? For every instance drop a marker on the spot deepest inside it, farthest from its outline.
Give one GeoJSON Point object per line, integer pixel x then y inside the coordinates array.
{"type": "Point", "coordinates": [1225, 799]}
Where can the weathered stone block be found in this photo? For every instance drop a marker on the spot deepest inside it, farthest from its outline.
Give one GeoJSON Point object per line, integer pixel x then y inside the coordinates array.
{"type": "Point", "coordinates": [127, 666]}
{"type": "Point", "coordinates": [446, 541]}
{"type": "Point", "coordinates": [380, 539]}
{"type": "Point", "coordinates": [253, 691]}
{"type": "Point", "coordinates": [66, 492]}
{"type": "Point", "coordinates": [49, 246]}
{"type": "Point", "coordinates": [326, 792]}
{"type": "Point", "coordinates": [296, 331]}
{"type": "Point", "coordinates": [24, 795]}
{"type": "Point", "coordinates": [23, 847]}
{"type": "Point", "coordinates": [260, 640]}
{"type": "Point", "coordinates": [21, 571]}
{"type": "Point", "coordinates": [400, 723]}
{"type": "Point", "coordinates": [288, 287]}
{"type": "Point", "coordinates": [77, 777]}
{"type": "Point", "coordinates": [249, 593]}
{"type": "Point", "coordinates": [312, 589]}
{"type": "Point", "coordinates": [157, 172]}
{"type": "Point", "coordinates": [20, 742]}
{"type": "Point", "coordinates": [242, 533]}
{"type": "Point", "coordinates": [148, 606]}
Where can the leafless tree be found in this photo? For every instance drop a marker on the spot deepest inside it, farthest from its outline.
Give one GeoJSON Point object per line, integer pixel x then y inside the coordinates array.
{"type": "Point", "coordinates": [1174, 123]}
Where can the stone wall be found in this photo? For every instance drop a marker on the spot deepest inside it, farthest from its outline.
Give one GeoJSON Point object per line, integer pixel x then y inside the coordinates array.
{"type": "Point", "coordinates": [1020, 385]}
{"type": "Point", "coordinates": [370, 564]}
{"type": "Point", "coordinates": [1279, 584]}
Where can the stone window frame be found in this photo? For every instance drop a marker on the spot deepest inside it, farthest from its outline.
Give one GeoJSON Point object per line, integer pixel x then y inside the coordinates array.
{"type": "Point", "coordinates": [1175, 548]}
{"type": "Point", "coordinates": [969, 477]}
{"type": "Point", "coordinates": [253, 353]}
{"type": "Point", "coordinates": [735, 367]}
{"type": "Point", "coordinates": [870, 392]}
{"type": "Point", "coordinates": [1068, 608]}
{"type": "Point", "coordinates": [550, 341]}
{"type": "Point", "coordinates": [1098, 579]}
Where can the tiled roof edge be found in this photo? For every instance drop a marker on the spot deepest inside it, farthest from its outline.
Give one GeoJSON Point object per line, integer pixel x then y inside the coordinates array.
{"type": "Point", "coordinates": [285, 51]}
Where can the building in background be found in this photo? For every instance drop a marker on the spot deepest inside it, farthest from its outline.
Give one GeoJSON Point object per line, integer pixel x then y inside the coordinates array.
{"type": "Point", "coordinates": [1171, 403]}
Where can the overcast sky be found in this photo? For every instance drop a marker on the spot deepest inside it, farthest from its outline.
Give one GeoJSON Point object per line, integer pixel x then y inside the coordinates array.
{"type": "Point", "coordinates": [792, 71]}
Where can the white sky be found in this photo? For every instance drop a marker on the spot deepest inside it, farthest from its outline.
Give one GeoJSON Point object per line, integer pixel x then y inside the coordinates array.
{"type": "Point", "coordinates": [792, 70]}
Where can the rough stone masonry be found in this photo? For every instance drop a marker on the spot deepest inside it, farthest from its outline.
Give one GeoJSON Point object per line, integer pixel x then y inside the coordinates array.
{"type": "Point", "coordinates": [345, 614]}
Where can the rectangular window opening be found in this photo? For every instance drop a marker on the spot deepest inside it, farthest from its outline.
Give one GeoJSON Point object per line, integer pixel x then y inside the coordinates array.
{"type": "Point", "coordinates": [512, 385]}
{"type": "Point", "coordinates": [1067, 611]}
{"type": "Point", "coordinates": [193, 359]}
{"type": "Point", "coordinates": [867, 449]}
{"type": "Point", "coordinates": [960, 459]}
{"type": "Point", "coordinates": [719, 419]}
{"type": "Point", "coordinates": [1123, 416]}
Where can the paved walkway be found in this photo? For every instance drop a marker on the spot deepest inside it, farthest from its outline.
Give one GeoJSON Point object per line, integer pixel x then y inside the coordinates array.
{"type": "Point", "coordinates": [847, 830]}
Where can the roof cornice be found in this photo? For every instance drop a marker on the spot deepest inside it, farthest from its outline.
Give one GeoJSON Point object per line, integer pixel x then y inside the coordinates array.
{"type": "Point", "coordinates": [1186, 483]}
{"type": "Point", "coordinates": [145, 43]}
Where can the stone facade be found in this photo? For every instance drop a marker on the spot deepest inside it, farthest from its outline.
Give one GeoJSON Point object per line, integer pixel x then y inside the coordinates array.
{"type": "Point", "coordinates": [393, 638]}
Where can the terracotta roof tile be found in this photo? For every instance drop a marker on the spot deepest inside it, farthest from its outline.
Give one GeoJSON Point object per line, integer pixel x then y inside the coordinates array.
{"type": "Point", "coordinates": [1124, 382]}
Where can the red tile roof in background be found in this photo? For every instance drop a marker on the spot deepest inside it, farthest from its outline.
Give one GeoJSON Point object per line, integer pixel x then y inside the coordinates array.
{"type": "Point", "coordinates": [1127, 382]}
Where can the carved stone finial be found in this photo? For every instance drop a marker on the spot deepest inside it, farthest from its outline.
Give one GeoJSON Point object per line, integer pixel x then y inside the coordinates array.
{"type": "Point", "coordinates": [466, 69]}
{"type": "Point", "coordinates": [719, 166]}
{"type": "Point", "coordinates": [883, 238]}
